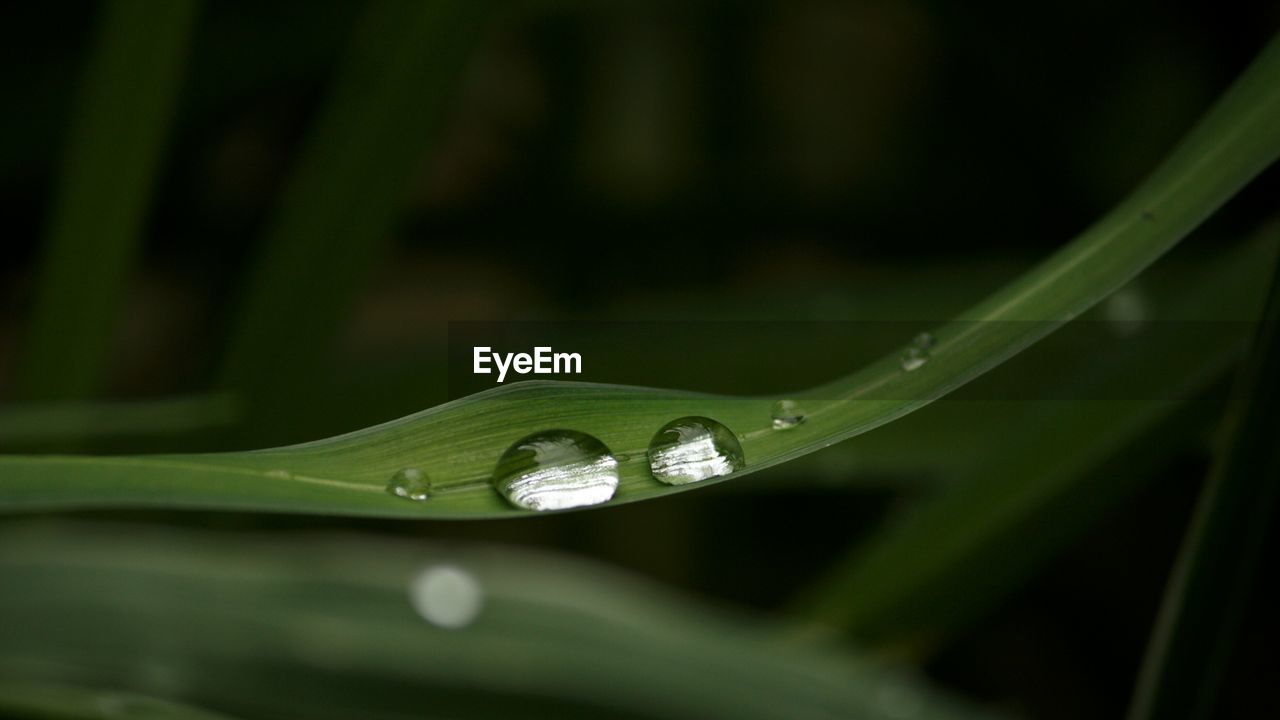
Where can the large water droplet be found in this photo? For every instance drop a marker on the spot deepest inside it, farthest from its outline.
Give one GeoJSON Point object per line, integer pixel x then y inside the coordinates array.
{"type": "Point", "coordinates": [787, 414]}
{"type": "Point", "coordinates": [917, 353]}
{"type": "Point", "coordinates": [410, 484]}
{"type": "Point", "coordinates": [446, 596]}
{"type": "Point", "coordinates": [694, 448]}
{"type": "Point", "coordinates": [555, 470]}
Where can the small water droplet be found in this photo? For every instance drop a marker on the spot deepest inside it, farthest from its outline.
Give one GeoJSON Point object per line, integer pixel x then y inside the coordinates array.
{"type": "Point", "coordinates": [556, 470]}
{"type": "Point", "coordinates": [279, 474]}
{"type": "Point", "coordinates": [917, 353]}
{"type": "Point", "coordinates": [694, 448]}
{"type": "Point", "coordinates": [410, 484]}
{"type": "Point", "coordinates": [787, 414]}
{"type": "Point", "coordinates": [446, 596]}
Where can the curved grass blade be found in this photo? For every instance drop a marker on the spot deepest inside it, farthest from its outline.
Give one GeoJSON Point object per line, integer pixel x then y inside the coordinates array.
{"type": "Point", "coordinates": [117, 138]}
{"type": "Point", "coordinates": [944, 560]}
{"type": "Point", "coordinates": [458, 444]}
{"type": "Point", "coordinates": [1209, 588]}
{"type": "Point", "coordinates": [325, 627]}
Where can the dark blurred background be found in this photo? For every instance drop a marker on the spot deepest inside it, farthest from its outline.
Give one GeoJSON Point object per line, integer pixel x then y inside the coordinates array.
{"type": "Point", "coordinates": [782, 161]}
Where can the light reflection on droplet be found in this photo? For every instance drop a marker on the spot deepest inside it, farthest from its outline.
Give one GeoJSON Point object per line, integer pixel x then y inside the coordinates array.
{"type": "Point", "coordinates": [692, 449]}
{"type": "Point", "coordinates": [556, 470]}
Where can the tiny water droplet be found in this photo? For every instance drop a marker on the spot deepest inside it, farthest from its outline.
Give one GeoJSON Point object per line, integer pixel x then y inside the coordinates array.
{"type": "Point", "coordinates": [410, 484]}
{"type": "Point", "coordinates": [917, 353]}
{"type": "Point", "coordinates": [694, 448]}
{"type": "Point", "coordinates": [280, 474]}
{"type": "Point", "coordinates": [787, 414]}
{"type": "Point", "coordinates": [556, 470]}
{"type": "Point", "coordinates": [446, 596]}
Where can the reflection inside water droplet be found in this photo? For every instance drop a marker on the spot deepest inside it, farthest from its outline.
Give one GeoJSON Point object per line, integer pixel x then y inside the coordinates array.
{"type": "Point", "coordinates": [446, 596]}
{"type": "Point", "coordinates": [692, 449]}
{"type": "Point", "coordinates": [410, 484]}
{"type": "Point", "coordinates": [787, 414]}
{"type": "Point", "coordinates": [556, 470]}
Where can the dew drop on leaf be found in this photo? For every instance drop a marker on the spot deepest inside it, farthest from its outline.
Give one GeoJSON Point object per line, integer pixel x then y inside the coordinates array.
{"type": "Point", "coordinates": [410, 484]}
{"type": "Point", "coordinates": [917, 353]}
{"type": "Point", "coordinates": [446, 596]}
{"type": "Point", "coordinates": [691, 449]}
{"type": "Point", "coordinates": [556, 470]}
{"type": "Point", "coordinates": [787, 414]}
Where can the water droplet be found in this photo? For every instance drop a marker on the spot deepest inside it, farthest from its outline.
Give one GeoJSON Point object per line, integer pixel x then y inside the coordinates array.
{"type": "Point", "coordinates": [410, 484]}
{"type": "Point", "coordinates": [555, 470]}
{"type": "Point", "coordinates": [446, 596]}
{"type": "Point", "coordinates": [917, 353]}
{"type": "Point", "coordinates": [787, 414]}
{"type": "Point", "coordinates": [278, 474]}
{"type": "Point", "coordinates": [694, 448]}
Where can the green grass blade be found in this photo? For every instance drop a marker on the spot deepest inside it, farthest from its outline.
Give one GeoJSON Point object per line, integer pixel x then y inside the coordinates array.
{"type": "Point", "coordinates": [323, 627]}
{"type": "Point", "coordinates": [117, 140]}
{"type": "Point", "coordinates": [341, 205]}
{"type": "Point", "coordinates": [1050, 477]}
{"type": "Point", "coordinates": [458, 444]}
{"type": "Point", "coordinates": [1209, 588]}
